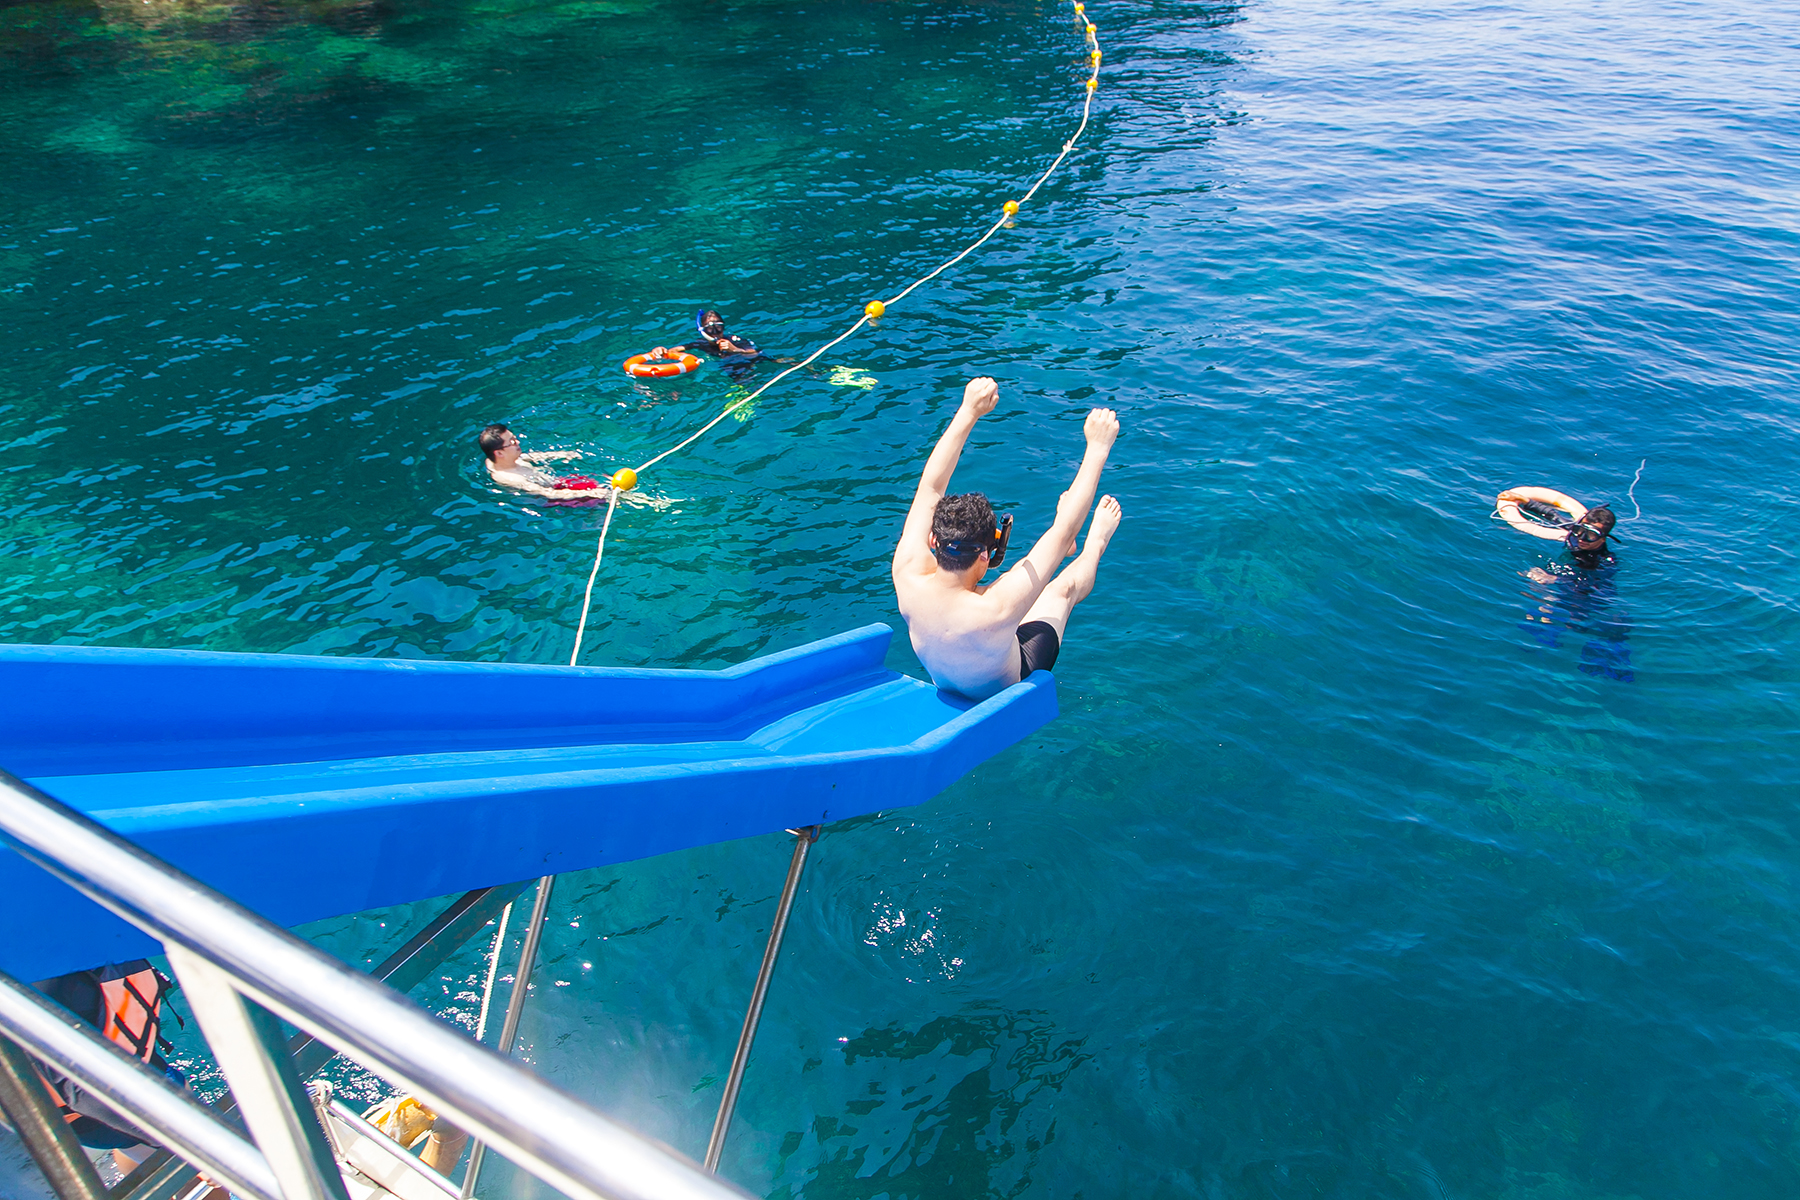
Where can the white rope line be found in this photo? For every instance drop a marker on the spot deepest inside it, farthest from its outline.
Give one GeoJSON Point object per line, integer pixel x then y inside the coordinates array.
{"type": "Point", "coordinates": [861, 321]}
{"type": "Point", "coordinates": [588, 598]}
{"type": "Point", "coordinates": [487, 993]}
{"type": "Point", "coordinates": [871, 311]}
{"type": "Point", "coordinates": [1086, 107]}
{"type": "Point", "coordinates": [1636, 512]}
{"type": "Point", "coordinates": [978, 243]}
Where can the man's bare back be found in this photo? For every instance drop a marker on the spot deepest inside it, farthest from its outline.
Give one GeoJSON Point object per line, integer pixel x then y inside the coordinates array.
{"type": "Point", "coordinates": [976, 639]}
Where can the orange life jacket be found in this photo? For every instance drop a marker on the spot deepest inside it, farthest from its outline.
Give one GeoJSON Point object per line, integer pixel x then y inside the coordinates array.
{"type": "Point", "coordinates": [131, 999]}
{"type": "Point", "coordinates": [125, 1002]}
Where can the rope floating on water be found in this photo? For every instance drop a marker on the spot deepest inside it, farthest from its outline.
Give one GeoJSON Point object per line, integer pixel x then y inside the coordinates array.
{"type": "Point", "coordinates": [1636, 512]}
{"type": "Point", "coordinates": [626, 479]}
{"type": "Point", "coordinates": [587, 598]}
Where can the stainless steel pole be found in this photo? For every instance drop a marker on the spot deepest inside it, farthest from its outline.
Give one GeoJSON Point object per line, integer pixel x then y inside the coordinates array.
{"type": "Point", "coordinates": [248, 1045]}
{"type": "Point", "coordinates": [58, 1155]}
{"type": "Point", "coordinates": [735, 1080]}
{"type": "Point", "coordinates": [559, 1139]}
{"type": "Point", "coordinates": [172, 1116]}
{"type": "Point", "coordinates": [515, 1007]}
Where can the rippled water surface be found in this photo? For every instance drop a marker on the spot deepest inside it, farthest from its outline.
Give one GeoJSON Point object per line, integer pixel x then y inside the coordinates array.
{"type": "Point", "coordinates": [1359, 864]}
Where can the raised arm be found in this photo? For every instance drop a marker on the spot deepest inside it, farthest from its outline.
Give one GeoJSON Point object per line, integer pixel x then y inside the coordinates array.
{"type": "Point", "coordinates": [1020, 587]}
{"type": "Point", "coordinates": [979, 398]}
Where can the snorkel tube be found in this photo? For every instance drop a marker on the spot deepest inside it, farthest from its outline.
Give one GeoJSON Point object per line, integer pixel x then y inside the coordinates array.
{"type": "Point", "coordinates": [711, 339]}
{"type": "Point", "coordinates": [1002, 535]}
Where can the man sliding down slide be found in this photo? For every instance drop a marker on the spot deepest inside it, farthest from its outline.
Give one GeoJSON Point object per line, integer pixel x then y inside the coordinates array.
{"type": "Point", "coordinates": [978, 640]}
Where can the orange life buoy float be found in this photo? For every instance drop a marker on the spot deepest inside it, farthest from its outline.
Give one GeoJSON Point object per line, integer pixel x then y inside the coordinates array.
{"type": "Point", "coordinates": [1507, 508]}
{"type": "Point", "coordinates": [642, 366]}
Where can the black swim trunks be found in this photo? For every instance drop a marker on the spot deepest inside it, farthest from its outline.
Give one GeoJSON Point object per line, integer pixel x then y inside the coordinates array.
{"type": "Point", "coordinates": [1038, 645]}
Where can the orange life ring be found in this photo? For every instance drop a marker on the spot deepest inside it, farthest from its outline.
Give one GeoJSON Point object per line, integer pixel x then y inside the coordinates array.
{"type": "Point", "coordinates": [642, 366]}
{"type": "Point", "coordinates": [1506, 507]}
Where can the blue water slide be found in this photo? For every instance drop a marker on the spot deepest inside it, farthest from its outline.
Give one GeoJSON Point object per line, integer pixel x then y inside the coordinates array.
{"type": "Point", "coordinates": [308, 787]}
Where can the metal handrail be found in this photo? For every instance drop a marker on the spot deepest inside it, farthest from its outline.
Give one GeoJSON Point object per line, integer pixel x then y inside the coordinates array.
{"type": "Point", "coordinates": [539, 1127]}
{"type": "Point", "coordinates": [181, 1122]}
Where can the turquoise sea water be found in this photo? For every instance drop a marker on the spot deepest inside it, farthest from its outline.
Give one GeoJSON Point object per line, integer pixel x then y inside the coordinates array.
{"type": "Point", "coordinates": [1339, 876]}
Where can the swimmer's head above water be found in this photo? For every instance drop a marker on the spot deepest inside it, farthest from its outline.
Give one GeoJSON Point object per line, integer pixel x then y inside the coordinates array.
{"type": "Point", "coordinates": [712, 340]}
{"type": "Point", "coordinates": [500, 445]}
{"type": "Point", "coordinates": [1588, 535]}
{"type": "Point", "coordinates": [712, 330]}
{"type": "Point", "coordinates": [1558, 517]}
{"type": "Point", "coordinates": [964, 528]}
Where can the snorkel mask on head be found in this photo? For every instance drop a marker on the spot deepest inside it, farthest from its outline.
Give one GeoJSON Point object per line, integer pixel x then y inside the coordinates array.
{"type": "Point", "coordinates": [971, 548]}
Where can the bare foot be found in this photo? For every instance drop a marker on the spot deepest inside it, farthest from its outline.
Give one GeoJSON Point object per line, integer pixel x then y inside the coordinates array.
{"type": "Point", "coordinates": [1107, 515]}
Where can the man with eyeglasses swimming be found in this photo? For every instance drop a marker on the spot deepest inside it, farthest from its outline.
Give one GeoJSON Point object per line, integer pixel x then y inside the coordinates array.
{"type": "Point", "coordinates": [509, 466]}
{"type": "Point", "coordinates": [978, 639]}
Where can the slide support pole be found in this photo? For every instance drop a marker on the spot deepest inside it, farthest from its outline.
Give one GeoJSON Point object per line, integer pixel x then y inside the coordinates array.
{"type": "Point", "coordinates": [804, 838]}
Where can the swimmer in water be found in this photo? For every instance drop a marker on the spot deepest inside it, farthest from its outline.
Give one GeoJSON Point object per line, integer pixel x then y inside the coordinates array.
{"type": "Point", "coordinates": [1583, 530]}
{"type": "Point", "coordinates": [735, 354]}
{"type": "Point", "coordinates": [1581, 598]}
{"type": "Point", "coordinates": [510, 467]}
{"type": "Point", "coordinates": [975, 639]}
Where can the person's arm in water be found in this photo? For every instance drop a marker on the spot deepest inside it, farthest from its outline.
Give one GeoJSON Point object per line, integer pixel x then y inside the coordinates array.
{"type": "Point", "coordinates": [518, 483]}
{"type": "Point", "coordinates": [539, 456]}
{"type": "Point", "coordinates": [1020, 587]}
{"type": "Point", "coordinates": [1507, 504]}
{"type": "Point", "coordinates": [550, 493]}
{"type": "Point", "coordinates": [719, 346]}
{"type": "Point", "coordinates": [914, 551]}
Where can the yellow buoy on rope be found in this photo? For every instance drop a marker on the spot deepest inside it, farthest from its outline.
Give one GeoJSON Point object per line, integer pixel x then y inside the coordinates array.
{"type": "Point", "coordinates": [626, 478]}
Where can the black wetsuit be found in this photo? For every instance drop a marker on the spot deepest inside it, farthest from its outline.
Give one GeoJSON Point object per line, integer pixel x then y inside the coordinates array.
{"type": "Point", "coordinates": [1584, 600]}
{"type": "Point", "coordinates": [736, 362]}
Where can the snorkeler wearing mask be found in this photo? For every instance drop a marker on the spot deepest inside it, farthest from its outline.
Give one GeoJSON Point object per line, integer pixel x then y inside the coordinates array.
{"type": "Point", "coordinates": [736, 354]}
{"type": "Point", "coordinates": [979, 639]}
{"type": "Point", "coordinates": [1560, 518]}
{"type": "Point", "coordinates": [1579, 599]}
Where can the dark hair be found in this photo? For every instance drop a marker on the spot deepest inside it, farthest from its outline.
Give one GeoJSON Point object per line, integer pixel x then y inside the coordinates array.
{"type": "Point", "coordinates": [968, 519]}
{"type": "Point", "coordinates": [1600, 519]}
{"type": "Point", "coordinates": [492, 440]}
